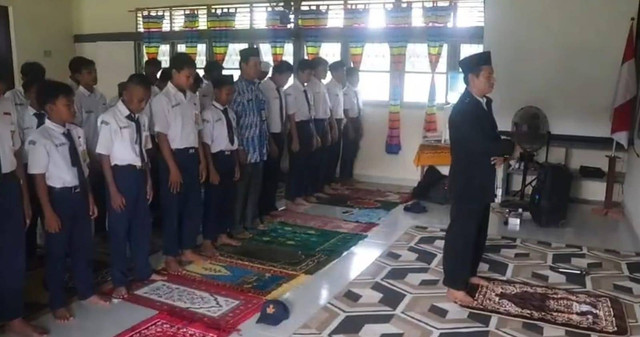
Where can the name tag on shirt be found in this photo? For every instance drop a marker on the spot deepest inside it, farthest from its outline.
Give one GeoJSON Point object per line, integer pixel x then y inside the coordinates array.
{"type": "Point", "coordinates": [124, 127]}
{"type": "Point", "coordinates": [88, 111]}
{"type": "Point", "coordinates": [175, 105]}
{"type": "Point", "coordinates": [218, 120]}
{"type": "Point", "coordinates": [62, 144]}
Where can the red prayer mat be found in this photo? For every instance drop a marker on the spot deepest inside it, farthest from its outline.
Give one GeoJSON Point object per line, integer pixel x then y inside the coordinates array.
{"type": "Point", "coordinates": [215, 306]}
{"type": "Point", "coordinates": [164, 325]}
{"type": "Point", "coordinates": [322, 222]}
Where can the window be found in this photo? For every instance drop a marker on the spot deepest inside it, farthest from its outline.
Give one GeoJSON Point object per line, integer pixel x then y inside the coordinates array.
{"type": "Point", "coordinates": [330, 51]}
{"type": "Point", "coordinates": [201, 56]}
{"type": "Point", "coordinates": [456, 80]}
{"type": "Point", "coordinates": [417, 78]}
{"type": "Point", "coordinates": [178, 17]}
{"type": "Point", "coordinates": [334, 9]}
{"type": "Point", "coordinates": [377, 16]}
{"type": "Point", "coordinates": [164, 54]}
{"type": "Point", "coordinates": [374, 72]}
{"type": "Point", "coordinates": [232, 60]}
{"type": "Point", "coordinates": [470, 13]}
{"type": "Point", "coordinates": [265, 52]}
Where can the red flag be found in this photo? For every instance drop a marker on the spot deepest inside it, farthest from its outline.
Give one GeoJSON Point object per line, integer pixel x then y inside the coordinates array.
{"type": "Point", "coordinates": [626, 91]}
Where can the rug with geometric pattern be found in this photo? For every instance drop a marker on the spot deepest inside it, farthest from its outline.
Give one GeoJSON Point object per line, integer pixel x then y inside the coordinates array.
{"type": "Point", "coordinates": [401, 293]}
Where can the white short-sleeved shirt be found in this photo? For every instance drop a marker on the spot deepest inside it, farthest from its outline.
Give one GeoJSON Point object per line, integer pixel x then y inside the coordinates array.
{"type": "Point", "coordinates": [352, 103]}
{"type": "Point", "coordinates": [320, 103]}
{"type": "Point", "coordinates": [147, 109]}
{"type": "Point", "coordinates": [177, 116]}
{"type": "Point", "coordinates": [9, 135]}
{"type": "Point", "coordinates": [113, 101]}
{"type": "Point", "coordinates": [18, 98]}
{"type": "Point", "coordinates": [214, 128]}
{"type": "Point", "coordinates": [205, 95]}
{"type": "Point", "coordinates": [89, 107]}
{"type": "Point", "coordinates": [275, 117]}
{"type": "Point", "coordinates": [336, 98]}
{"type": "Point", "coordinates": [27, 125]}
{"type": "Point", "coordinates": [118, 138]}
{"type": "Point", "coordinates": [49, 154]}
{"type": "Point", "coordinates": [296, 103]}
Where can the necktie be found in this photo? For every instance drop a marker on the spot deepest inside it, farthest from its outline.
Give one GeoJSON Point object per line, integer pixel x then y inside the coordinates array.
{"type": "Point", "coordinates": [358, 103]}
{"type": "Point", "coordinates": [227, 119]}
{"type": "Point", "coordinates": [306, 98]}
{"type": "Point", "coordinates": [136, 122]}
{"type": "Point", "coordinates": [281, 108]}
{"type": "Point", "coordinates": [40, 116]}
{"type": "Point", "coordinates": [75, 158]}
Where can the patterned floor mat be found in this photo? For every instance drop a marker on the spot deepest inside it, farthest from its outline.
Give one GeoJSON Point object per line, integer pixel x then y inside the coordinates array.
{"type": "Point", "coordinates": [401, 293]}
{"type": "Point", "coordinates": [322, 222]}
{"type": "Point", "coordinates": [164, 325]}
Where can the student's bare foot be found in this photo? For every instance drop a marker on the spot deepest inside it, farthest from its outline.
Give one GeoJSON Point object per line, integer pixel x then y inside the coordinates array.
{"type": "Point", "coordinates": [157, 277]}
{"type": "Point", "coordinates": [62, 315]}
{"type": "Point", "coordinates": [22, 328]}
{"type": "Point", "coordinates": [207, 249]}
{"type": "Point", "coordinates": [479, 281]}
{"type": "Point", "coordinates": [320, 195]}
{"type": "Point", "coordinates": [189, 256]}
{"type": "Point", "coordinates": [98, 300]}
{"type": "Point", "coordinates": [172, 265]}
{"type": "Point", "coordinates": [459, 297]}
{"type": "Point", "coordinates": [301, 202]}
{"type": "Point", "coordinates": [243, 236]}
{"type": "Point", "coordinates": [120, 293]}
{"type": "Point", "coordinates": [329, 190]}
{"type": "Point", "coordinates": [311, 199]}
{"type": "Point", "coordinates": [224, 239]}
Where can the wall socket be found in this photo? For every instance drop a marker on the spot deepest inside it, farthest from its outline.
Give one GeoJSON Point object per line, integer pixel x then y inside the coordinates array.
{"type": "Point", "coordinates": [48, 53]}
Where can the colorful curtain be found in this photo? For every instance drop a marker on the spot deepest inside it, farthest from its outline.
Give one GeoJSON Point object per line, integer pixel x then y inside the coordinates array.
{"type": "Point", "coordinates": [277, 50]}
{"type": "Point", "coordinates": [398, 57]}
{"type": "Point", "coordinates": [430, 127]}
{"type": "Point", "coordinates": [221, 20]}
{"type": "Point", "coordinates": [355, 53]}
{"type": "Point", "coordinates": [220, 48]}
{"type": "Point", "coordinates": [191, 25]}
{"type": "Point", "coordinates": [313, 48]}
{"type": "Point", "coordinates": [356, 17]}
{"type": "Point", "coordinates": [438, 16]}
{"type": "Point", "coordinates": [274, 19]}
{"type": "Point", "coordinates": [399, 17]}
{"type": "Point", "coordinates": [152, 28]}
{"type": "Point", "coordinates": [313, 18]}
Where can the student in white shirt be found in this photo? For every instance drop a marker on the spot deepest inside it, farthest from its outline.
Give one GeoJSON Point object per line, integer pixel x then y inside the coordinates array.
{"type": "Point", "coordinates": [113, 101]}
{"type": "Point", "coordinates": [353, 128]}
{"type": "Point", "coordinates": [212, 70]}
{"type": "Point", "coordinates": [303, 137]}
{"type": "Point", "coordinates": [59, 161]}
{"type": "Point", "coordinates": [265, 68]}
{"type": "Point", "coordinates": [335, 89]}
{"type": "Point", "coordinates": [124, 138]}
{"type": "Point", "coordinates": [182, 169]}
{"type": "Point", "coordinates": [272, 88]}
{"type": "Point", "coordinates": [16, 212]}
{"type": "Point", "coordinates": [321, 112]}
{"type": "Point", "coordinates": [74, 63]}
{"type": "Point", "coordinates": [220, 142]}
{"type": "Point", "coordinates": [33, 71]}
{"type": "Point", "coordinates": [90, 103]}
{"type": "Point", "coordinates": [152, 68]}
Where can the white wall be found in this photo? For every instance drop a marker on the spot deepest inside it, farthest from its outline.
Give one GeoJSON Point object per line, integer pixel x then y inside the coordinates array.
{"type": "Point", "coordinates": [39, 25]}
{"type": "Point", "coordinates": [114, 62]}
{"type": "Point", "coordinates": [560, 55]}
{"type": "Point", "coordinates": [632, 190]}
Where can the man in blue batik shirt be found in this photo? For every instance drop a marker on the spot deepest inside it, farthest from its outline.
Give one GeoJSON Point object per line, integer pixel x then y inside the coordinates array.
{"type": "Point", "coordinates": [249, 105]}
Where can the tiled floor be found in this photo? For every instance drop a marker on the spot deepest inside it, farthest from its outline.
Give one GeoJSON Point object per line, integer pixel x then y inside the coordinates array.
{"type": "Point", "coordinates": [582, 229]}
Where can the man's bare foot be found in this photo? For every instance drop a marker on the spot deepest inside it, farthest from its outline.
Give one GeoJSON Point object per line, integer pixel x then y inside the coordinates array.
{"type": "Point", "coordinates": [301, 202]}
{"type": "Point", "coordinates": [224, 239]}
{"type": "Point", "coordinates": [189, 256]}
{"type": "Point", "coordinates": [157, 277]}
{"type": "Point", "coordinates": [172, 265]}
{"type": "Point", "coordinates": [207, 249]}
{"type": "Point", "coordinates": [243, 236]}
{"type": "Point", "coordinates": [22, 328]}
{"type": "Point", "coordinates": [459, 297]}
{"type": "Point", "coordinates": [99, 300]}
{"type": "Point", "coordinates": [329, 190]}
{"type": "Point", "coordinates": [311, 199]}
{"type": "Point", "coordinates": [62, 315]}
{"type": "Point", "coordinates": [320, 195]}
{"type": "Point", "coordinates": [479, 281]}
{"type": "Point", "coordinates": [120, 293]}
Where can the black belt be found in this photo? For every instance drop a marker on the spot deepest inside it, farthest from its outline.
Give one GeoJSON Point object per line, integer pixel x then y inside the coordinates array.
{"type": "Point", "coordinates": [223, 153]}
{"type": "Point", "coordinates": [72, 189]}
{"type": "Point", "coordinates": [186, 150]}
{"type": "Point", "coordinates": [129, 167]}
{"type": "Point", "coordinates": [9, 175]}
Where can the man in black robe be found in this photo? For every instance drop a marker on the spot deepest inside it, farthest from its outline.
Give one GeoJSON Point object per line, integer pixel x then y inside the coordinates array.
{"type": "Point", "coordinates": [476, 150]}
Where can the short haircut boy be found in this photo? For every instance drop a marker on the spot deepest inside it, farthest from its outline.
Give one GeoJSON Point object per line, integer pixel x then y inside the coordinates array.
{"type": "Point", "coordinates": [81, 63]}
{"type": "Point", "coordinates": [337, 66]}
{"type": "Point", "coordinates": [138, 80]}
{"type": "Point", "coordinates": [50, 91]}
{"type": "Point", "coordinates": [305, 65]}
{"type": "Point", "coordinates": [182, 61]}
{"type": "Point", "coordinates": [213, 67]}
{"type": "Point", "coordinates": [352, 71]}
{"type": "Point", "coordinates": [319, 62]}
{"type": "Point", "coordinates": [282, 68]}
{"type": "Point", "coordinates": [222, 81]}
{"type": "Point", "coordinates": [32, 70]}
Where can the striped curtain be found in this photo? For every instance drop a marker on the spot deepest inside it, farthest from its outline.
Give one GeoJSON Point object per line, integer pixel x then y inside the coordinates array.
{"type": "Point", "coordinates": [398, 57]}
{"type": "Point", "coordinates": [221, 20]}
{"type": "Point", "coordinates": [355, 53]}
{"type": "Point", "coordinates": [152, 28]}
{"type": "Point", "coordinates": [437, 16]}
{"type": "Point", "coordinates": [313, 48]}
{"type": "Point", "coordinates": [431, 118]}
{"type": "Point", "coordinates": [220, 48]}
{"type": "Point", "coordinates": [277, 50]}
{"type": "Point", "coordinates": [313, 18]}
{"type": "Point", "coordinates": [191, 25]}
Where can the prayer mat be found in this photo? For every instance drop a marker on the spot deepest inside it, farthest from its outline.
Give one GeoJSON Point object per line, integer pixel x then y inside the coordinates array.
{"type": "Point", "coordinates": [322, 222]}
{"type": "Point", "coordinates": [164, 325]}
{"type": "Point", "coordinates": [371, 194]}
{"type": "Point", "coordinates": [276, 257]}
{"type": "Point", "coordinates": [243, 277]}
{"type": "Point", "coordinates": [348, 201]}
{"type": "Point", "coordinates": [582, 312]}
{"type": "Point", "coordinates": [215, 306]}
{"type": "Point", "coordinates": [307, 239]}
{"type": "Point", "coordinates": [365, 215]}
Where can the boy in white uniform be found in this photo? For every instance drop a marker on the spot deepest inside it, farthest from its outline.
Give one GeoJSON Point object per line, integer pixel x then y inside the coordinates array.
{"type": "Point", "coordinates": [335, 89]}
{"type": "Point", "coordinates": [353, 127]}
{"type": "Point", "coordinates": [29, 71]}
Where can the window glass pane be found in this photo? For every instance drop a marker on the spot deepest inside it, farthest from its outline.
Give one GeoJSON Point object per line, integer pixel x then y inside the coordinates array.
{"type": "Point", "coordinates": [201, 57]}
{"type": "Point", "coordinates": [288, 52]}
{"type": "Point", "coordinates": [377, 16]}
{"type": "Point", "coordinates": [374, 86]}
{"type": "Point", "coordinates": [259, 17]}
{"type": "Point", "coordinates": [456, 86]}
{"type": "Point", "coordinates": [232, 60]}
{"type": "Point", "coordinates": [265, 52]}
{"type": "Point", "coordinates": [470, 14]}
{"type": "Point", "coordinates": [164, 54]}
{"type": "Point", "coordinates": [330, 51]}
{"type": "Point", "coordinates": [336, 16]}
{"type": "Point", "coordinates": [418, 58]}
{"type": "Point", "coordinates": [417, 86]}
{"type": "Point", "coordinates": [416, 15]}
{"type": "Point", "coordinates": [376, 57]}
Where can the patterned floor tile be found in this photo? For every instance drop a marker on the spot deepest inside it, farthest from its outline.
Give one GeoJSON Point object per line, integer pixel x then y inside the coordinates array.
{"type": "Point", "coordinates": [406, 256]}
{"type": "Point", "coordinates": [379, 325]}
{"type": "Point", "coordinates": [374, 271]}
{"type": "Point", "coordinates": [621, 286]}
{"type": "Point", "coordinates": [441, 314]}
{"type": "Point", "coordinates": [321, 322]}
{"type": "Point", "coordinates": [368, 297]}
{"type": "Point", "coordinates": [592, 263]}
{"type": "Point", "coordinates": [416, 280]}
{"type": "Point", "coordinates": [542, 275]}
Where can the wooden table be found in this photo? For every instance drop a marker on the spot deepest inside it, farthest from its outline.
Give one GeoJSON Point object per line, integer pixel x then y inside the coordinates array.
{"type": "Point", "coordinates": [432, 154]}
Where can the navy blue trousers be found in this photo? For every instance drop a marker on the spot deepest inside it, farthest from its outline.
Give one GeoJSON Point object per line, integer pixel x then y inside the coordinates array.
{"type": "Point", "coordinates": [12, 249]}
{"type": "Point", "coordinates": [182, 211]}
{"type": "Point", "coordinates": [75, 239]}
{"type": "Point", "coordinates": [320, 157]}
{"type": "Point", "coordinates": [219, 200]}
{"type": "Point", "coordinates": [271, 178]}
{"type": "Point", "coordinates": [130, 228]}
{"type": "Point", "coordinates": [36, 217]}
{"type": "Point", "coordinates": [333, 156]}
{"type": "Point", "coordinates": [301, 167]}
